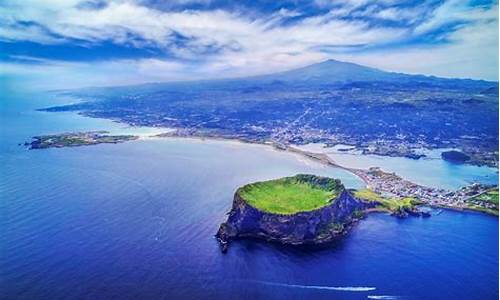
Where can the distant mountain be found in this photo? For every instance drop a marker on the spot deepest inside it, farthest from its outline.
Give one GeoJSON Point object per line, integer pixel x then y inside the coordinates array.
{"type": "Point", "coordinates": [331, 102]}
{"type": "Point", "coordinates": [333, 71]}
{"type": "Point", "coordinates": [337, 72]}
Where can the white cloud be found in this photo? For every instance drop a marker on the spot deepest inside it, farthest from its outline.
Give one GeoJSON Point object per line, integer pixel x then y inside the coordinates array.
{"type": "Point", "coordinates": [207, 27]}
{"type": "Point", "coordinates": [457, 10]}
{"type": "Point", "coordinates": [472, 53]}
{"type": "Point", "coordinates": [248, 44]}
{"type": "Point", "coordinates": [53, 74]}
{"type": "Point", "coordinates": [398, 14]}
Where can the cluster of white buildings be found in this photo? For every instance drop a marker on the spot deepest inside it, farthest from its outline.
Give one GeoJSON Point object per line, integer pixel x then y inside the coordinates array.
{"type": "Point", "coordinates": [390, 184]}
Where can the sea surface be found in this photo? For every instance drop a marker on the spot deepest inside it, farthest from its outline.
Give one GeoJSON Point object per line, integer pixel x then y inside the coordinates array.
{"type": "Point", "coordinates": [136, 221]}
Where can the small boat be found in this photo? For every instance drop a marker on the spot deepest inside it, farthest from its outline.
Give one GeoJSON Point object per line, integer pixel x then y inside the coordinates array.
{"type": "Point", "coordinates": [438, 212]}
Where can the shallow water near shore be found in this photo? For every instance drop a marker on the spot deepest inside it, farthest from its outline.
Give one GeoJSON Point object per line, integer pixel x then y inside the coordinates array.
{"type": "Point", "coordinates": [429, 171]}
{"type": "Point", "coordinates": [136, 221]}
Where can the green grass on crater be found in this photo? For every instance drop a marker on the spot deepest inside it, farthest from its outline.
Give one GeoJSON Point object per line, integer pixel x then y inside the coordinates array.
{"type": "Point", "coordinates": [391, 204]}
{"type": "Point", "coordinates": [288, 195]}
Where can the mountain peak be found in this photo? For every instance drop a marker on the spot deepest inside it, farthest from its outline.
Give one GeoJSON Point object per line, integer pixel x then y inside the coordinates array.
{"type": "Point", "coordinates": [332, 70]}
{"type": "Point", "coordinates": [332, 61]}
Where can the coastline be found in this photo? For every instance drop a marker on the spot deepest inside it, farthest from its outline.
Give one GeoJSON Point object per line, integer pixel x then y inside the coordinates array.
{"type": "Point", "coordinates": [320, 157]}
{"type": "Point", "coordinates": [317, 157]}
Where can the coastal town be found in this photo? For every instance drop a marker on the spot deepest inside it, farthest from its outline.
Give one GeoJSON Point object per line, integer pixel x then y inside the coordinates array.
{"type": "Point", "coordinates": [392, 185]}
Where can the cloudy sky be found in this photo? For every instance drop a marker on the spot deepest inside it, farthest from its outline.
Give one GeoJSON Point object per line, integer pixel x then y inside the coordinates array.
{"type": "Point", "coordinates": [86, 43]}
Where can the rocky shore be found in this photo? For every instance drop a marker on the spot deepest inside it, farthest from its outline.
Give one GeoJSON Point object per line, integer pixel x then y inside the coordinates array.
{"type": "Point", "coordinates": [404, 212]}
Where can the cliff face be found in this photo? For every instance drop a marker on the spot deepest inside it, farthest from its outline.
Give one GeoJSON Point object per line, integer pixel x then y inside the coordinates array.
{"type": "Point", "coordinates": [312, 227]}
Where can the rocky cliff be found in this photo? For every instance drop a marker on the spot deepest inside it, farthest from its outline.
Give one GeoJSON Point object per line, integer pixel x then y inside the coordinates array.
{"type": "Point", "coordinates": [310, 227]}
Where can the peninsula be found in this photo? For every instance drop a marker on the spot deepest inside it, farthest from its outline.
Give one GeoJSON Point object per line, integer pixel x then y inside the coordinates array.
{"type": "Point", "coordinates": [76, 139]}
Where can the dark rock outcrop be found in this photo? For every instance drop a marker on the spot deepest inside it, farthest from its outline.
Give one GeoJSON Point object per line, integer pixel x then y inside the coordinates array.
{"type": "Point", "coordinates": [310, 227]}
{"type": "Point", "coordinates": [404, 212]}
{"type": "Point", "coordinates": [455, 156]}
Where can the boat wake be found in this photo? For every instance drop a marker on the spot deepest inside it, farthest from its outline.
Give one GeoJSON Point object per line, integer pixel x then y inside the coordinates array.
{"type": "Point", "coordinates": [382, 297]}
{"type": "Point", "coordinates": [322, 287]}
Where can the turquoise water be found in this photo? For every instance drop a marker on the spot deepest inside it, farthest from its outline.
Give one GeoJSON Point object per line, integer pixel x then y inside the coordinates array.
{"type": "Point", "coordinates": [136, 221]}
{"type": "Point", "coordinates": [431, 171]}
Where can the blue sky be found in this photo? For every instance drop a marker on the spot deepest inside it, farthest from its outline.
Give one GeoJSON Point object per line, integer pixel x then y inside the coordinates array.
{"type": "Point", "coordinates": [94, 42]}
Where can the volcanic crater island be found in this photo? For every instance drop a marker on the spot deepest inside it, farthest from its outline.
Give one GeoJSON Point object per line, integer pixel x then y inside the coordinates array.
{"type": "Point", "coordinates": [299, 210]}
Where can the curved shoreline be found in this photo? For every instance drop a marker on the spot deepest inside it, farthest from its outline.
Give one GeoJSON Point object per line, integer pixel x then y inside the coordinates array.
{"type": "Point", "coordinates": [317, 157]}
{"type": "Point", "coordinates": [360, 173]}
{"type": "Point", "coordinates": [401, 187]}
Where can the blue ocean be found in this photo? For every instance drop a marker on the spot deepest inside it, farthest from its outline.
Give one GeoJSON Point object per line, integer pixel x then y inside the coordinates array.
{"type": "Point", "coordinates": [137, 221]}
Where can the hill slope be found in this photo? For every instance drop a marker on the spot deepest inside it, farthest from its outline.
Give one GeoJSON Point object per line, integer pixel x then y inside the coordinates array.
{"type": "Point", "coordinates": [330, 102]}
{"type": "Point", "coordinates": [333, 71]}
